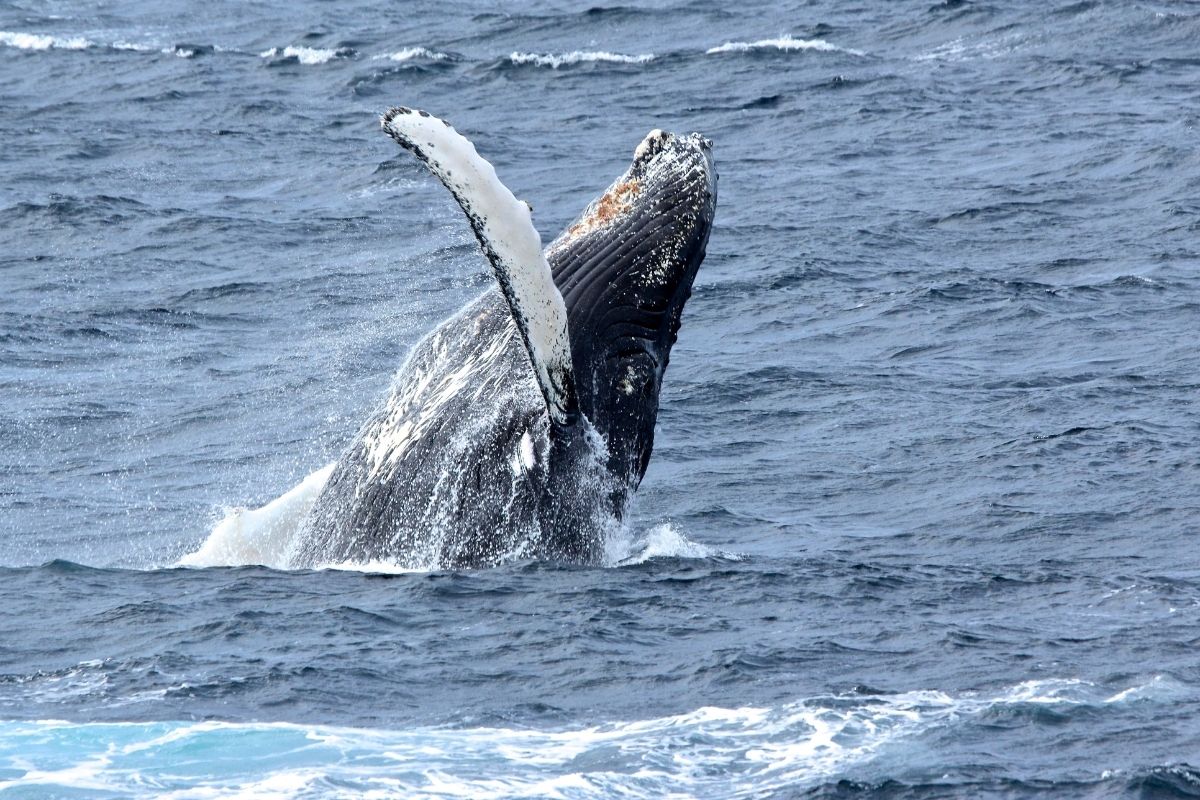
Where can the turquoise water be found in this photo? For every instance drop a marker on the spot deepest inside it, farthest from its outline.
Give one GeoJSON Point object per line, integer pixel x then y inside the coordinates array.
{"type": "Point", "coordinates": [712, 752]}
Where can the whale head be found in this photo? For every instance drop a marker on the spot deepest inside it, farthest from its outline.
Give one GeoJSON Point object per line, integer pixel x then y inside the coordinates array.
{"type": "Point", "coordinates": [625, 269]}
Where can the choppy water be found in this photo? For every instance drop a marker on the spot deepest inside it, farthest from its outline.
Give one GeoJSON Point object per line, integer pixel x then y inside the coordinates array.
{"type": "Point", "coordinates": [922, 515]}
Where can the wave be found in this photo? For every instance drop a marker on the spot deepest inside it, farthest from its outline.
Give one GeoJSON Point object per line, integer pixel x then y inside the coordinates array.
{"type": "Point", "coordinates": [35, 41]}
{"type": "Point", "coordinates": [316, 55]}
{"type": "Point", "coordinates": [750, 751]}
{"type": "Point", "coordinates": [307, 55]}
{"type": "Point", "coordinates": [304, 55]}
{"type": "Point", "coordinates": [558, 60]}
{"type": "Point", "coordinates": [785, 42]}
{"type": "Point", "coordinates": [192, 50]}
{"type": "Point", "coordinates": [966, 49]}
{"type": "Point", "coordinates": [411, 53]}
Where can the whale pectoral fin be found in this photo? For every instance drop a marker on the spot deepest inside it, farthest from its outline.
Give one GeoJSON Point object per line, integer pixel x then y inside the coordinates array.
{"type": "Point", "coordinates": [504, 227]}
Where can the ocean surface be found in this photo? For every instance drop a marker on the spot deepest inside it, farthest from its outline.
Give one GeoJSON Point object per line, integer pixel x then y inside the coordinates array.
{"type": "Point", "coordinates": [923, 517]}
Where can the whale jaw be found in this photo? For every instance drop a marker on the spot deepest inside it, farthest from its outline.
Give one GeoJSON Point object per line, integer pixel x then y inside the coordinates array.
{"type": "Point", "coordinates": [625, 269]}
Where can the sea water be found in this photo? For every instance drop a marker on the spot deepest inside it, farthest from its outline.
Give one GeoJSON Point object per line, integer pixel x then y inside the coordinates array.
{"type": "Point", "coordinates": [921, 519]}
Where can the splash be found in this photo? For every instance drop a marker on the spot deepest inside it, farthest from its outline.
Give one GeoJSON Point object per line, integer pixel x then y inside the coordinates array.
{"type": "Point", "coordinates": [263, 535]}
{"type": "Point", "coordinates": [660, 541]}
{"type": "Point", "coordinates": [266, 536]}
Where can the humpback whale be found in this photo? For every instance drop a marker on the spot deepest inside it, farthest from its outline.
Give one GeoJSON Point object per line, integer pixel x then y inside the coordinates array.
{"type": "Point", "coordinates": [521, 426]}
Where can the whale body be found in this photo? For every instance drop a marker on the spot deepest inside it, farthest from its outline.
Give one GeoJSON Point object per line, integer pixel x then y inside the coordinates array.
{"type": "Point", "coordinates": [521, 426]}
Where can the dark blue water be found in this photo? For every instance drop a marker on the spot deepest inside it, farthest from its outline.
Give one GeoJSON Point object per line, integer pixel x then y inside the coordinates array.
{"type": "Point", "coordinates": [922, 518]}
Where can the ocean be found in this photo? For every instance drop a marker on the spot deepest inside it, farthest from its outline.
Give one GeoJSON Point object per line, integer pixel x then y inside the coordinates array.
{"type": "Point", "coordinates": [922, 519]}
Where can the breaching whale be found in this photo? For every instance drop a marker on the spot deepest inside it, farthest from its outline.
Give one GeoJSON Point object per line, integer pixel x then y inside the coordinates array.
{"type": "Point", "coordinates": [520, 427]}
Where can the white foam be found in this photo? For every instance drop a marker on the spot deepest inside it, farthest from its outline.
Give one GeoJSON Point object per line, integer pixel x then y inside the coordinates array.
{"type": "Point", "coordinates": [86, 775]}
{"type": "Point", "coordinates": [263, 535]}
{"type": "Point", "coordinates": [34, 41]}
{"type": "Point", "coordinates": [966, 49]}
{"type": "Point", "coordinates": [377, 567]}
{"type": "Point", "coordinates": [664, 540]}
{"type": "Point", "coordinates": [622, 548]}
{"type": "Point", "coordinates": [410, 53]}
{"type": "Point", "coordinates": [279, 786]}
{"type": "Point", "coordinates": [785, 42]}
{"type": "Point", "coordinates": [949, 51]}
{"type": "Point", "coordinates": [305, 55]}
{"type": "Point", "coordinates": [83, 680]}
{"type": "Point", "coordinates": [750, 751]}
{"type": "Point", "coordinates": [1157, 688]}
{"type": "Point", "coordinates": [134, 46]}
{"type": "Point", "coordinates": [660, 541]}
{"type": "Point", "coordinates": [1070, 691]}
{"type": "Point", "coordinates": [556, 60]}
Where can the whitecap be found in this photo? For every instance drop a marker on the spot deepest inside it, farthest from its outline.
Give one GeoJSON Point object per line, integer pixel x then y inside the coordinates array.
{"type": "Point", "coordinates": [556, 60]}
{"type": "Point", "coordinates": [411, 53]}
{"type": "Point", "coordinates": [1158, 688]}
{"type": "Point", "coordinates": [785, 42]}
{"type": "Point", "coordinates": [306, 55]}
{"type": "Point", "coordinates": [183, 51]}
{"type": "Point", "coordinates": [85, 680]}
{"type": "Point", "coordinates": [34, 41]}
{"type": "Point", "coordinates": [134, 46]}
{"type": "Point", "coordinates": [1053, 691]}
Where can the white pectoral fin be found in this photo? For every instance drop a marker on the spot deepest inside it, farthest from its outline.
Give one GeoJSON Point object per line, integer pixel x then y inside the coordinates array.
{"type": "Point", "coordinates": [504, 227]}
